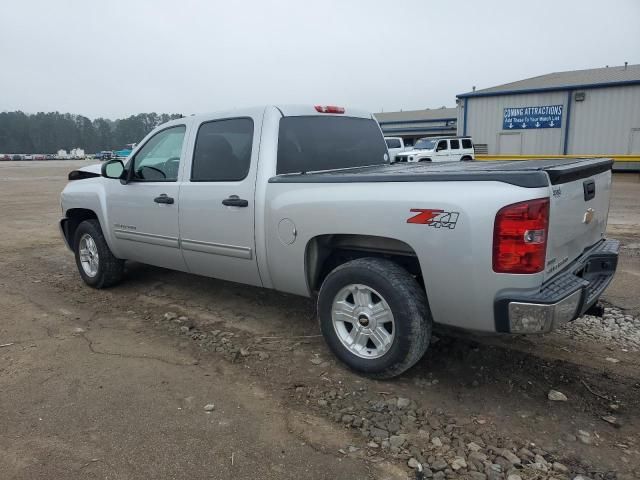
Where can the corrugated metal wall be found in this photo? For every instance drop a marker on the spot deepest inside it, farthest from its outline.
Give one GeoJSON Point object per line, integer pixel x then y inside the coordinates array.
{"type": "Point", "coordinates": [484, 124]}
{"type": "Point", "coordinates": [604, 121]}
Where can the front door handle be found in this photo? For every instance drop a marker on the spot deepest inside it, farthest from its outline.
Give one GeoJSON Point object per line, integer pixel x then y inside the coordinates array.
{"type": "Point", "coordinates": [235, 201]}
{"type": "Point", "coordinates": [163, 198]}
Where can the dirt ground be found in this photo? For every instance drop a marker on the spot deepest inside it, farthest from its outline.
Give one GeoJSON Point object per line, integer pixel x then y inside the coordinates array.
{"type": "Point", "coordinates": [110, 384]}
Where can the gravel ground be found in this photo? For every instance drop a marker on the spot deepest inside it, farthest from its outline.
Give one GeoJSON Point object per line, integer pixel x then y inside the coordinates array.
{"type": "Point", "coordinates": [171, 375]}
{"type": "Point", "coordinates": [615, 327]}
{"type": "Point", "coordinates": [432, 443]}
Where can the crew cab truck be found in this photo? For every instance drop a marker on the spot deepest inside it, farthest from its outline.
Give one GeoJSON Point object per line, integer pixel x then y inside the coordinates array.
{"type": "Point", "coordinates": [441, 149]}
{"type": "Point", "coordinates": [304, 200]}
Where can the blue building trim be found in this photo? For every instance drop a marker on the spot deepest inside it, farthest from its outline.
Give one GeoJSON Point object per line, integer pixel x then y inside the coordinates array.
{"type": "Point", "coordinates": [567, 123]}
{"type": "Point", "coordinates": [464, 121]}
{"type": "Point", "coordinates": [499, 93]}
{"type": "Point", "coordinates": [449, 129]}
{"type": "Point", "coordinates": [414, 122]}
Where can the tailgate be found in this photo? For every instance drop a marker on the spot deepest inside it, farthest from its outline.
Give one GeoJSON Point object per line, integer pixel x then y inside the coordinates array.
{"type": "Point", "coordinates": [579, 208]}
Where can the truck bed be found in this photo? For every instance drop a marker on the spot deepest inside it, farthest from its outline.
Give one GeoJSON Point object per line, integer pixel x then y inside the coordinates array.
{"type": "Point", "coordinates": [524, 173]}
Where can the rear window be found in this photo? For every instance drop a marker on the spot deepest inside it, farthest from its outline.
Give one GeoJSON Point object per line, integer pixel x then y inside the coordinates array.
{"type": "Point", "coordinates": [393, 143]}
{"type": "Point", "coordinates": [314, 143]}
{"type": "Point", "coordinates": [466, 143]}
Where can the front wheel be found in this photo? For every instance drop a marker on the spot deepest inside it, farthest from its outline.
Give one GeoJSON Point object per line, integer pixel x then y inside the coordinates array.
{"type": "Point", "coordinates": [98, 267]}
{"type": "Point", "coordinates": [374, 316]}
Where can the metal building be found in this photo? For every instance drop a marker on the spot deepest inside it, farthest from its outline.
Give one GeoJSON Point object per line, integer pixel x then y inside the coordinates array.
{"type": "Point", "coordinates": [579, 112]}
{"type": "Point", "coordinates": [414, 124]}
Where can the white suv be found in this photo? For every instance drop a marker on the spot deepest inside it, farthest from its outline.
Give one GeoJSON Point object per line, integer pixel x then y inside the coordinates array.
{"type": "Point", "coordinates": [447, 149]}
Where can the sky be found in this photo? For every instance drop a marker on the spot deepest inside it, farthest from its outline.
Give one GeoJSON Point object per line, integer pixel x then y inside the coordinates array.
{"type": "Point", "coordinates": [115, 58]}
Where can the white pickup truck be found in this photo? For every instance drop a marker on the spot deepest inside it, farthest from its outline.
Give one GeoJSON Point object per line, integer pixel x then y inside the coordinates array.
{"type": "Point", "coordinates": [303, 200]}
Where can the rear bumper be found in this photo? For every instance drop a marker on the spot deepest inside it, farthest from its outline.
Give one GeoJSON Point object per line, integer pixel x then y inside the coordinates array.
{"type": "Point", "coordinates": [563, 298]}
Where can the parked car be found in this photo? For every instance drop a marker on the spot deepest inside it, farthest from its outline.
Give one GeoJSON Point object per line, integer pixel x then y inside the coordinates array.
{"type": "Point", "coordinates": [17, 157]}
{"type": "Point", "coordinates": [303, 200]}
{"type": "Point", "coordinates": [5, 158]}
{"type": "Point", "coordinates": [442, 149]}
{"type": "Point", "coordinates": [27, 157]}
{"type": "Point", "coordinates": [395, 145]}
{"type": "Point", "coordinates": [105, 155]}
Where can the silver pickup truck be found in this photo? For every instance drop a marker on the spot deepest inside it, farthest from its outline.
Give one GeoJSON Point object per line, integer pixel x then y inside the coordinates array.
{"type": "Point", "coordinates": [304, 200]}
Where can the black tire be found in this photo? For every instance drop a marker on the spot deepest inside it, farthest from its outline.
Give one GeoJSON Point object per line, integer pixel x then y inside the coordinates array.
{"type": "Point", "coordinates": [110, 269]}
{"type": "Point", "coordinates": [466, 159]}
{"type": "Point", "coordinates": [408, 304]}
{"type": "Point", "coordinates": [424, 160]}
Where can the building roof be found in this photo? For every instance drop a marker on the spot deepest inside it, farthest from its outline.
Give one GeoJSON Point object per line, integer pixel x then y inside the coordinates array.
{"type": "Point", "coordinates": [415, 123]}
{"type": "Point", "coordinates": [428, 114]}
{"type": "Point", "coordinates": [593, 78]}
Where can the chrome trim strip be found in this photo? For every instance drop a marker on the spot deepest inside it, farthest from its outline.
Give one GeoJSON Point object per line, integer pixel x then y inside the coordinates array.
{"type": "Point", "coordinates": [153, 239]}
{"type": "Point", "coordinates": [217, 249]}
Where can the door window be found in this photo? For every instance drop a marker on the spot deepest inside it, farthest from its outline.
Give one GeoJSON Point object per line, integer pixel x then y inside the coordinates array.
{"type": "Point", "coordinates": [393, 143]}
{"type": "Point", "coordinates": [223, 151]}
{"type": "Point", "coordinates": [442, 145]}
{"type": "Point", "coordinates": [466, 143]}
{"type": "Point", "coordinates": [455, 144]}
{"type": "Point", "coordinates": [158, 160]}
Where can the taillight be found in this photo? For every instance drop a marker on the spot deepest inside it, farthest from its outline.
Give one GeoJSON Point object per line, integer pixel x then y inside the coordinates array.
{"type": "Point", "coordinates": [520, 237]}
{"type": "Point", "coordinates": [329, 109]}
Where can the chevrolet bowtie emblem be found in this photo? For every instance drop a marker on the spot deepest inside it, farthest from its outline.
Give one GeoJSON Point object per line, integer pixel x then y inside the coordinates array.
{"type": "Point", "coordinates": [588, 215]}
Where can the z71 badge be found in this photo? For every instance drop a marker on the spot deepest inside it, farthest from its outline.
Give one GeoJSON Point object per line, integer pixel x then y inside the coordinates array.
{"type": "Point", "coordinates": [434, 218]}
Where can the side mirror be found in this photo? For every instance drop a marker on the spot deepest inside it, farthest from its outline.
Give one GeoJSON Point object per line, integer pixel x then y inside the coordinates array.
{"type": "Point", "coordinates": [113, 169]}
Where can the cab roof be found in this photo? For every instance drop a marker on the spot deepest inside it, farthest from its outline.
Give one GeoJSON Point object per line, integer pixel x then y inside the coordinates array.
{"type": "Point", "coordinates": [285, 110]}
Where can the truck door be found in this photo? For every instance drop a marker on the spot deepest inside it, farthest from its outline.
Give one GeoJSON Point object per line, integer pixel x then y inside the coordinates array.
{"type": "Point", "coordinates": [217, 201]}
{"type": "Point", "coordinates": [143, 213]}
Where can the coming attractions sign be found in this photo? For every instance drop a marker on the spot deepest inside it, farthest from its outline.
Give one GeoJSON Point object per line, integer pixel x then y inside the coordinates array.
{"type": "Point", "coordinates": [520, 118]}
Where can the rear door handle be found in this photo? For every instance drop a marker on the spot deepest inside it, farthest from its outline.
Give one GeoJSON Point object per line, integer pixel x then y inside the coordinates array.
{"type": "Point", "coordinates": [235, 201]}
{"type": "Point", "coordinates": [163, 198]}
{"type": "Point", "coordinates": [589, 187]}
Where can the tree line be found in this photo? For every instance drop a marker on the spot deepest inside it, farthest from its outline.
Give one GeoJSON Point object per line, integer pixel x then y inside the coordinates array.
{"type": "Point", "coordinates": [49, 132]}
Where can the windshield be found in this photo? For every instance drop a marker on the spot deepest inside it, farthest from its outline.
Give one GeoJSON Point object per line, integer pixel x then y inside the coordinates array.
{"type": "Point", "coordinates": [425, 144]}
{"type": "Point", "coordinates": [316, 143]}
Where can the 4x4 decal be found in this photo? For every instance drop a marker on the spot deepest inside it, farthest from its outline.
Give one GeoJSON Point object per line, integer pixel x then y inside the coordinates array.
{"type": "Point", "coordinates": [434, 218]}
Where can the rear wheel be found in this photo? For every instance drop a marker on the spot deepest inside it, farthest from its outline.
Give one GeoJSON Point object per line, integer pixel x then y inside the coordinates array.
{"type": "Point", "coordinates": [98, 267]}
{"type": "Point", "coordinates": [466, 158]}
{"type": "Point", "coordinates": [374, 316]}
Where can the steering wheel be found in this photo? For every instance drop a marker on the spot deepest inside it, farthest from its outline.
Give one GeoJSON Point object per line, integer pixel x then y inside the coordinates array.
{"type": "Point", "coordinates": [149, 167]}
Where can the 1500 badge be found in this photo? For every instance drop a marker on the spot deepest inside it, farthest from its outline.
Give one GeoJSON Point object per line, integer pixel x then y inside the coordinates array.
{"type": "Point", "coordinates": [434, 218]}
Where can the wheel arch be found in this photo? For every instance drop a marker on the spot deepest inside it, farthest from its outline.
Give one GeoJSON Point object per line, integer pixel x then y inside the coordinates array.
{"type": "Point", "coordinates": [325, 252]}
{"type": "Point", "coordinates": [73, 218]}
